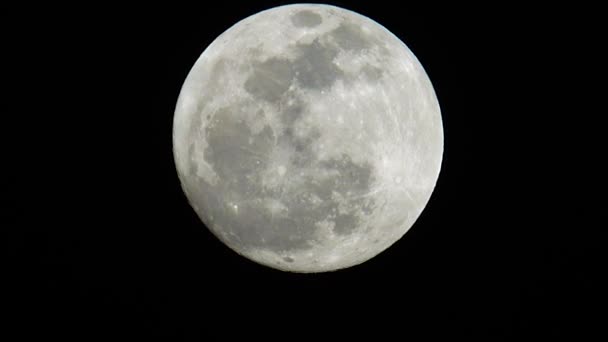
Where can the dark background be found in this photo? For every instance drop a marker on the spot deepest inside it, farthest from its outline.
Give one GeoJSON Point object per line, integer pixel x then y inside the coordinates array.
{"type": "Point", "coordinates": [101, 242]}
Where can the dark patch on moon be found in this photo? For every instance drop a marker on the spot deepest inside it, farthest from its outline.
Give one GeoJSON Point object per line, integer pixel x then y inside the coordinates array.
{"type": "Point", "coordinates": [229, 151]}
{"type": "Point", "coordinates": [354, 179]}
{"type": "Point", "coordinates": [288, 259]}
{"type": "Point", "coordinates": [344, 174]}
{"type": "Point", "coordinates": [353, 182]}
{"type": "Point", "coordinates": [192, 167]}
{"type": "Point", "coordinates": [291, 113]}
{"type": "Point", "coordinates": [350, 37]}
{"type": "Point", "coordinates": [372, 73]}
{"type": "Point", "coordinates": [306, 18]}
{"type": "Point", "coordinates": [315, 67]}
{"type": "Point", "coordinates": [344, 224]}
{"type": "Point", "coordinates": [260, 114]}
{"type": "Point", "coordinates": [270, 79]}
{"type": "Point", "coordinates": [302, 155]}
{"type": "Point", "coordinates": [239, 201]}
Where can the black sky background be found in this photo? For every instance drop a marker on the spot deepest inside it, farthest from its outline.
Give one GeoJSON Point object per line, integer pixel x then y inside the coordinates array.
{"type": "Point", "coordinates": [101, 242]}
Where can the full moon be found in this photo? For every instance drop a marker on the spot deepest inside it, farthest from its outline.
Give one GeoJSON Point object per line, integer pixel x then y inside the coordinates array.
{"type": "Point", "coordinates": [308, 138]}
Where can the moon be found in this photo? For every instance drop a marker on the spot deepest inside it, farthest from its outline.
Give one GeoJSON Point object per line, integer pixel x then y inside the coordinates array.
{"type": "Point", "coordinates": [308, 138]}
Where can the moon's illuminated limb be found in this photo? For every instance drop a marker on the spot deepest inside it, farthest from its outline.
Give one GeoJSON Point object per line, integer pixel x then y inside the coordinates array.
{"type": "Point", "coordinates": [308, 138]}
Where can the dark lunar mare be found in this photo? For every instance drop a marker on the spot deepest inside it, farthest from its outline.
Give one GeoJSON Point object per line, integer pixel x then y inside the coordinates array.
{"type": "Point", "coordinates": [240, 165]}
{"type": "Point", "coordinates": [306, 18]}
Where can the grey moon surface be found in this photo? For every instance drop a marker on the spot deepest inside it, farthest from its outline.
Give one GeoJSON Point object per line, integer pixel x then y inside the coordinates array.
{"type": "Point", "coordinates": [308, 138]}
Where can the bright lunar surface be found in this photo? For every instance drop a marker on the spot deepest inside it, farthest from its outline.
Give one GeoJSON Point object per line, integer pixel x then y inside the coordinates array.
{"type": "Point", "coordinates": [308, 138]}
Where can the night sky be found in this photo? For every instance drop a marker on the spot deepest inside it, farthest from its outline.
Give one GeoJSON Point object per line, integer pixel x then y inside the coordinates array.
{"type": "Point", "coordinates": [101, 241]}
